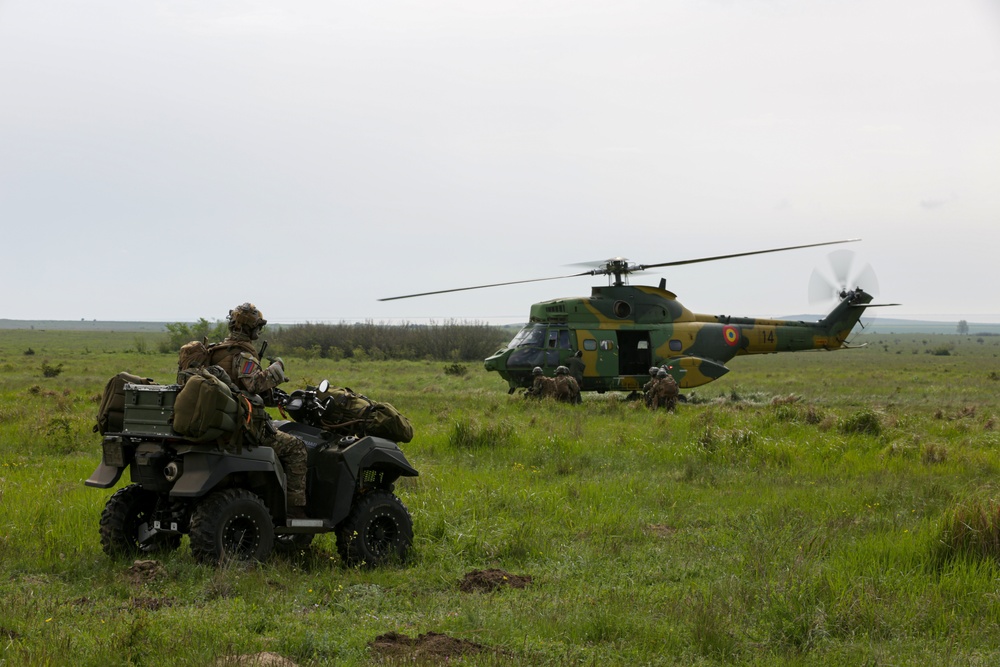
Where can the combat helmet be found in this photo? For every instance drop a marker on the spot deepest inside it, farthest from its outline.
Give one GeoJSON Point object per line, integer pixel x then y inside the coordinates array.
{"type": "Point", "coordinates": [653, 370]}
{"type": "Point", "coordinates": [246, 319]}
{"type": "Point", "coordinates": [562, 370]}
{"type": "Point", "coordinates": [537, 370]}
{"type": "Point", "coordinates": [662, 373]}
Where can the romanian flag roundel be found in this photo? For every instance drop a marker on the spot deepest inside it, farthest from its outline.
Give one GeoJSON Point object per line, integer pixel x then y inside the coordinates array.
{"type": "Point", "coordinates": [731, 334]}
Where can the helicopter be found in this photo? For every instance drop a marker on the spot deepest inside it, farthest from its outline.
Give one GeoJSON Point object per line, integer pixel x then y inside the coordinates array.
{"type": "Point", "coordinates": [622, 331]}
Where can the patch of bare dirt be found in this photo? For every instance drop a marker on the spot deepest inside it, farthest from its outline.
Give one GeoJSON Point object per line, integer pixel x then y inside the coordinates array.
{"type": "Point", "coordinates": [662, 530]}
{"type": "Point", "coordinates": [145, 571]}
{"type": "Point", "coordinates": [431, 647]}
{"type": "Point", "coordinates": [487, 581]}
{"type": "Point", "coordinates": [265, 659]}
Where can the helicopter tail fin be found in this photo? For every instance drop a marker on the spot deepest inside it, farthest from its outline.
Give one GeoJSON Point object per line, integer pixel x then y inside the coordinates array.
{"type": "Point", "coordinates": [845, 315]}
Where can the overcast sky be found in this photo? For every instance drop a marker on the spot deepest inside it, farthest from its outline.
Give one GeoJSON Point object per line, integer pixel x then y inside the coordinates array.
{"type": "Point", "coordinates": [166, 161]}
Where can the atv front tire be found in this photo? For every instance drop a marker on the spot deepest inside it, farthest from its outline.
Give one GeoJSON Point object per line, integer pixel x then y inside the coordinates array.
{"type": "Point", "coordinates": [129, 508]}
{"type": "Point", "coordinates": [377, 531]}
{"type": "Point", "coordinates": [232, 524]}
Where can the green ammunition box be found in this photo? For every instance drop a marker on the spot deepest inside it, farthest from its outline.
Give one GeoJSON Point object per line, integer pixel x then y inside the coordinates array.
{"type": "Point", "coordinates": [149, 409]}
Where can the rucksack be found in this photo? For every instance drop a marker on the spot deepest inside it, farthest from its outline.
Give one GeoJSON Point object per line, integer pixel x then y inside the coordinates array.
{"type": "Point", "coordinates": [351, 413]}
{"type": "Point", "coordinates": [111, 411]}
{"type": "Point", "coordinates": [192, 355]}
{"type": "Point", "coordinates": [205, 409]}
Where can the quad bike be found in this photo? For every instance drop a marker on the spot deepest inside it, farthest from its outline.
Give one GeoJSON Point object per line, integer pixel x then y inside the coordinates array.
{"type": "Point", "coordinates": [231, 504]}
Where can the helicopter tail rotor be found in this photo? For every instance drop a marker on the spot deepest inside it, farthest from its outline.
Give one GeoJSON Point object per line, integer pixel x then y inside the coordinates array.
{"type": "Point", "coordinates": [845, 272]}
{"type": "Point", "coordinates": [845, 278]}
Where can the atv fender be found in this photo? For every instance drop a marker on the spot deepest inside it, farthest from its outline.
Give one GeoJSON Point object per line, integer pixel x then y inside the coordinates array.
{"type": "Point", "coordinates": [375, 453]}
{"type": "Point", "coordinates": [105, 476]}
{"type": "Point", "coordinates": [204, 470]}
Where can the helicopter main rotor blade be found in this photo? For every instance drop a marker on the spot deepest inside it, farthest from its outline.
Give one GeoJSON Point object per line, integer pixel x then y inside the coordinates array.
{"type": "Point", "coordinates": [617, 266]}
{"type": "Point", "coordinates": [641, 267]}
{"type": "Point", "coordinates": [463, 289]}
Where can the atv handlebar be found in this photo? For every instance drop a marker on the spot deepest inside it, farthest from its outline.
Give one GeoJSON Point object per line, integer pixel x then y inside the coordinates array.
{"type": "Point", "coordinates": [303, 405]}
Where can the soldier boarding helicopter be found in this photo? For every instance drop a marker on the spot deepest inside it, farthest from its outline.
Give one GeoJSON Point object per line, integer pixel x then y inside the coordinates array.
{"type": "Point", "coordinates": [622, 330]}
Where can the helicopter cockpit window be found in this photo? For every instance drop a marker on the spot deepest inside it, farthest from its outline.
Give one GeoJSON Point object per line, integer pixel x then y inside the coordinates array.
{"type": "Point", "coordinates": [532, 335]}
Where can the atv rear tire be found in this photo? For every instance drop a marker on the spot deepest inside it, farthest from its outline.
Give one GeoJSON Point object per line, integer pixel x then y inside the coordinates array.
{"type": "Point", "coordinates": [232, 524]}
{"type": "Point", "coordinates": [377, 531]}
{"type": "Point", "coordinates": [128, 509]}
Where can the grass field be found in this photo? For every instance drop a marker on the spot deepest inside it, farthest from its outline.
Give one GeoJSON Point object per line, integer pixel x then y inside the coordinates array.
{"type": "Point", "coordinates": [807, 509]}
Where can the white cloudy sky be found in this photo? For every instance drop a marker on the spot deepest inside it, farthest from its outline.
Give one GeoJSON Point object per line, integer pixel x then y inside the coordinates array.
{"type": "Point", "coordinates": [169, 160]}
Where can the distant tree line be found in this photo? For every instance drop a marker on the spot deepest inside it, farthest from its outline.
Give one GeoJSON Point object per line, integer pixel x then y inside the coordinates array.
{"type": "Point", "coordinates": [180, 333]}
{"type": "Point", "coordinates": [450, 341]}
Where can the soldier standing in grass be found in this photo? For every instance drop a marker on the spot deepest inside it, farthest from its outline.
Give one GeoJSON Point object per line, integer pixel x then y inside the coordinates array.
{"type": "Point", "coordinates": [576, 367]}
{"type": "Point", "coordinates": [238, 357]}
{"type": "Point", "coordinates": [647, 389]}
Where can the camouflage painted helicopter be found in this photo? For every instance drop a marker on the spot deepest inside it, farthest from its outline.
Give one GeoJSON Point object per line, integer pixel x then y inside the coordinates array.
{"type": "Point", "coordinates": [623, 330]}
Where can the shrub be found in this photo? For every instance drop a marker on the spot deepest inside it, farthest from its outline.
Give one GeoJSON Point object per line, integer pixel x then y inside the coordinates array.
{"type": "Point", "coordinates": [863, 422]}
{"type": "Point", "coordinates": [971, 529]}
{"type": "Point", "coordinates": [456, 369]}
{"type": "Point", "coordinates": [50, 371]}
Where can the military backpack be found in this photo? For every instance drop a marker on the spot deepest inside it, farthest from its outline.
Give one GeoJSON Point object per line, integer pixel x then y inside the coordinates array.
{"type": "Point", "coordinates": [111, 411]}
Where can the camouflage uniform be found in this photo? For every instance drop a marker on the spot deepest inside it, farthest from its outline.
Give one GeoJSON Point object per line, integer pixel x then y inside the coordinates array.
{"type": "Point", "coordinates": [567, 390]}
{"type": "Point", "coordinates": [664, 392]}
{"type": "Point", "coordinates": [238, 357]}
{"type": "Point", "coordinates": [647, 389]}
{"type": "Point", "coordinates": [542, 387]}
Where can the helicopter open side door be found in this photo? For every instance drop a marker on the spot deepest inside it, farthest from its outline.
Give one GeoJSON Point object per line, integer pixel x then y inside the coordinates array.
{"type": "Point", "coordinates": [616, 356]}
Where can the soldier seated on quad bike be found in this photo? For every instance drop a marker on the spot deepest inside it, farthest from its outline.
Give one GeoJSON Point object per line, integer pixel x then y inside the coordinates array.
{"type": "Point", "coordinates": [237, 356]}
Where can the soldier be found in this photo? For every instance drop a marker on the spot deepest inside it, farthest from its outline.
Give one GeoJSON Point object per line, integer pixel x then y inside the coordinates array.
{"type": "Point", "coordinates": [567, 390]}
{"type": "Point", "coordinates": [541, 387]}
{"type": "Point", "coordinates": [647, 389]}
{"type": "Point", "coordinates": [238, 357]}
{"type": "Point", "coordinates": [576, 367]}
{"type": "Point", "coordinates": [664, 391]}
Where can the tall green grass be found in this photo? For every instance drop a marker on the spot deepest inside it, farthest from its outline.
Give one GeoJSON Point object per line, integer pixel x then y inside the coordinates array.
{"type": "Point", "coordinates": [811, 508]}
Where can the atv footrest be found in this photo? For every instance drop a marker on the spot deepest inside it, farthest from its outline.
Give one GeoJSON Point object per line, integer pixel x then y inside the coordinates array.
{"type": "Point", "coordinates": [304, 526]}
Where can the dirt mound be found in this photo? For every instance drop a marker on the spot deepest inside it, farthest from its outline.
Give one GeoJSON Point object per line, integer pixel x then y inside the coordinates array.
{"type": "Point", "coordinates": [145, 571]}
{"type": "Point", "coordinates": [432, 647]}
{"type": "Point", "coordinates": [486, 581]}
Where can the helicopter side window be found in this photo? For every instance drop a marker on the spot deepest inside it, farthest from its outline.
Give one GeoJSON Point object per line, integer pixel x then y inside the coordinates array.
{"type": "Point", "coordinates": [589, 344]}
{"type": "Point", "coordinates": [676, 345]}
